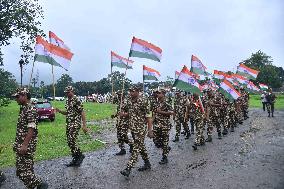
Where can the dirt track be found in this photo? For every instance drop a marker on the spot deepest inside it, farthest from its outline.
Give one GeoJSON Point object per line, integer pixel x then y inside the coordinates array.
{"type": "Point", "coordinates": [251, 157]}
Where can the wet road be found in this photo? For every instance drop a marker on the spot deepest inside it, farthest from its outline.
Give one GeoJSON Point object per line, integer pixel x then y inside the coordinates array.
{"type": "Point", "coordinates": [251, 157]}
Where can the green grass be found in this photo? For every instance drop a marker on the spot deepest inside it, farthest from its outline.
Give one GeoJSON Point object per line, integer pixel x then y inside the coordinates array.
{"type": "Point", "coordinates": [255, 102]}
{"type": "Point", "coordinates": [52, 139]}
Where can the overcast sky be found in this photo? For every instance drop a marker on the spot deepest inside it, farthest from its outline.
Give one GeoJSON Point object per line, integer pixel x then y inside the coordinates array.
{"type": "Point", "coordinates": [220, 33]}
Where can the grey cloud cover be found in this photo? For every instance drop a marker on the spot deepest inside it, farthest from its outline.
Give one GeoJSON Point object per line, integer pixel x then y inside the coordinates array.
{"type": "Point", "coordinates": [220, 33]}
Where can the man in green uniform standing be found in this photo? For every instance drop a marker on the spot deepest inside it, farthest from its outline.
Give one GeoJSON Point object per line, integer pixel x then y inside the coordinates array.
{"type": "Point", "coordinates": [75, 115]}
{"type": "Point", "coordinates": [26, 140]}
{"type": "Point", "coordinates": [137, 109]}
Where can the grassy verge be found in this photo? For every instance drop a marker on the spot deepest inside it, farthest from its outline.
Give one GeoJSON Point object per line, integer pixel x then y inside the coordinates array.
{"type": "Point", "coordinates": [255, 102]}
{"type": "Point", "coordinates": [52, 140]}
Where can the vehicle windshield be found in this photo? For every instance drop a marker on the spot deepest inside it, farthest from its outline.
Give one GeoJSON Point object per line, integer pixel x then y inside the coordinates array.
{"type": "Point", "coordinates": [43, 105]}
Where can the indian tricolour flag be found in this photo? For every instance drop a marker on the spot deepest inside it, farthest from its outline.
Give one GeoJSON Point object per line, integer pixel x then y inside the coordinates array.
{"type": "Point", "coordinates": [247, 72]}
{"type": "Point", "coordinates": [242, 80]}
{"type": "Point", "coordinates": [53, 39]}
{"type": "Point", "coordinates": [252, 87]}
{"type": "Point", "coordinates": [187, 82]}
{"type": "Point", "coordinates": [144, 49]}
{"type": "Point", "coordinates": [150, 73]}
{"type": "Point", "coordinates": [197, 66]}
{"type": "Point", "coordinates": [263, 86]}
{"type": "Point", "coordinates": [121, 62]}
{"type": "Point", "coordinates": [231, 78]}
{"type": "Point", "coordinates": [52, 54]}
{"type": "Point", "coordinates": [227, 89]}
{"type": "Point", "coordinates": [219, 75]}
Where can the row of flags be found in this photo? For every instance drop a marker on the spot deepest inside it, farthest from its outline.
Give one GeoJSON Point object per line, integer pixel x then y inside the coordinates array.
{"type": "Point", "coordinates": [57, 53]}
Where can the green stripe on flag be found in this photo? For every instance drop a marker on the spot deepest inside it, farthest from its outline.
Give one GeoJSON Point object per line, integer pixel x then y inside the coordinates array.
{"type": "Point", "coordinates": [186, 87]}
{"type": "Point", "coordinates": [46, 59]}
{"type": "Point", "coordinates": [149, 77]}
{"type": "Point", "coordinates": [143, 55]}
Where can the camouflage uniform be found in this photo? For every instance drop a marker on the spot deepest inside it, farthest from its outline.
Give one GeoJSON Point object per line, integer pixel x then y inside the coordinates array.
{"type": "Point", "coordinates": [122, 126]}
{"type": "Point", "coordinates": [28, 118]}
{"type": "Point", "coordinates": [74, 109]}
{"type": "Point", "coordinates": [163, 125]}
{"type": "Point", "coordinates": [270, 103]}
{"type": "Point", "coordinates": [245, 101]}
{"type": "Point", "coordinates": [157, 135]}
{"type": "Point", "coordinates": [214, 115]}
{"type": "Point", "coordinates": [198, 120]}
{"type": "Point", "coordinates": [138, 111]}
{"type": "Point", "coordinates": [180, 110]}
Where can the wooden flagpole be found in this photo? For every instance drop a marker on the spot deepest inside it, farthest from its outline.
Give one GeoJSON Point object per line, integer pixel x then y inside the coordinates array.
{"type": "Point", "coordinates": [31, 75]}
{"type": "Point", "coordinates": [53, 82]}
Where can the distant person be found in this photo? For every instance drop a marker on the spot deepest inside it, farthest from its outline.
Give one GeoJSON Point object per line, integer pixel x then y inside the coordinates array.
{"type": "Point", "coordinates": [263, 100]}
{"type": "Point", "coordinates": [270, 100]}
{"type": "Point", "coordinates": [26, 140]}
{"type": "Point", "coordinates": [75, 115]}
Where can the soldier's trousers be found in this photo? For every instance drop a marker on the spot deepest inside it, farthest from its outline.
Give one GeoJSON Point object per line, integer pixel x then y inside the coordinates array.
{"type": "Point", "coordinates": [122, 137]}
{"type": "Point", "coordinates": [72, 131]}
{"type": "Point", "coordinates": [270, 107]}
{"type": "Point", "coordinates": [191, 120]}
{"type": "Point", "coordinates": [138, 148]}
{"type": "Point", "coordinates": [213, 122]}
{"type": "Point", "coordinates": [25, 171]}
{"type": "Point", "coordinates": [157, 135]}
{"type": "Point", "coordinates": [199, 131]}
{"type": "Point", "coordinates": [179, 121]}
{"type": "Point", "coordinates": [164, 130]}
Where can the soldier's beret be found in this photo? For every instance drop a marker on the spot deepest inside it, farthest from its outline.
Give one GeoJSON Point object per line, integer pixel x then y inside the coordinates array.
{"type": "Point", "coordinates": [69, 89]}
{"type": "Point", "coordinates": [21, 91]}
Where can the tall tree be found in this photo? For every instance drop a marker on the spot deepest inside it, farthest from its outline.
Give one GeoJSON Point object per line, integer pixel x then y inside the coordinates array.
{"type": "Point", "coordinates": [21, 19]}
{"type": "Point", "coordinates": [64, 81]}
{"type": "Point", "coordinates": [269, 74]}
{"type": "Point", "coordinates": [8, 83]}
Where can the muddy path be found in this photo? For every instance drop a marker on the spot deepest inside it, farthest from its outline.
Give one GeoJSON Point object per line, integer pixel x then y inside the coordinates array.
{"type": "Point", "coordinates": [251, 157]}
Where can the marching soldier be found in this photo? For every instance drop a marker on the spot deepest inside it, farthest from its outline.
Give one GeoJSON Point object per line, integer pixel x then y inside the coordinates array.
{"type": "Point", "coordinates": [198, 116]}
{"type": "Point", "coordinates": [122, 126]}
{"type": "Point", "coordinates": [163, 111]}
{"type": "Point", "coordinates": [138, 111]}
{"type": "Point", "coordinates": [26, 140]}
{"type": "Point", "coordinates": [180, 120]}
{"type": "Point", "coordinates": [270, 97]}
{"type": "Point", "coordinates": [75, 115]}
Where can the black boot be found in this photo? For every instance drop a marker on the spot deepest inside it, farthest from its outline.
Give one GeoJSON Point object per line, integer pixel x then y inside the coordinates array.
{"type": "Point", "coordinates": [72, 162]}
{"type": "Point", "coordinates": [219, 135]}
{"type": "Point", "coordinates": [225, 132]}
{"type": "Point", "coordinates": [126, 172]}
{"type": "Point", "coordinates": [80, 159]}
{"type": "Point", "coordinates": [194, 146]}
{"type": "Point", "coordinates": [272, 114]}
{"type": "Point", "coordinates": [130, 148]}
{"type": "Point", "coordinates": [209, 139]}
{"type": "Point", "coordinates": [42, 185]}
{"type": "Point", "coordinates": [268, 114]}
{"type": "Point", "coordinates": [232, 129]}
{"type": "Point", "coordinates": [147, 165]}
{"type": "Point", "coordinates": [121, 152]}
{"type": "Point", "coordinates": [176, 139]}
{"type": "Point", "coordinates": [187, 135]}
{"type": "Point", "coordinates": [2, 177]}
{"type": "Point", "coordinates": [164, 160]}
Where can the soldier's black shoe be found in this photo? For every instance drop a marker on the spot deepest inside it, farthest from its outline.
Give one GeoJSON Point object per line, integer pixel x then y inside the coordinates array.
{"type": "Point", "coordinates": [121, 152]}
{"type": "Point", "coordinates": [268, 114]}
{"type": "Point", "coordinates": [176, 139]}
{"type": "Point", "coordinates": [192, 132]}
{"type": "Point", "coordinates": [219, 135]}
{"type": "Point", "coordinates": [72, 163]}
{"type": "Point", "coordinates": [225, 132]}
{"type": "Point", "coordinates": [130, 148]}
{"type": "Point", "coordinates": [240, 122]}
{"type": "Point", "coordinates": [232, 129]}
{"type": "Point", "coordinates": [169, 148]}
{"type": "Point", "coordinates": [158, 145]}
{"type": "Point", "coordinates": [272, 115]}
{"type": "Point", "coordinates": [126, 172]}
{"type": "Point", "coordinates": [183, 132]}
{"type": "Point", "coordinates": [209, 139]}
{"type": "Point", "coordinates": [202, 143]}
{"type": "Point", "coordinates": [42, 185]}
{"type": "Point", "coordinates": [145, 167]}
{"type": "Point", "coordinates": [164, 160]}
{"type": "Point", "coordinates": [79, 160]}
{"type": "Point", "coordinates": [2, 178]}
{"type": "Point", "coordinates": [187, 135]}
{"type": "Point", "coordinates": [194, 146]}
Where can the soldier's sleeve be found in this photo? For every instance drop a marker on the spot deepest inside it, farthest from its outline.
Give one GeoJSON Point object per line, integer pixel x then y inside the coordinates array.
{"type": "Point", "coordinates": [32, 117]}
